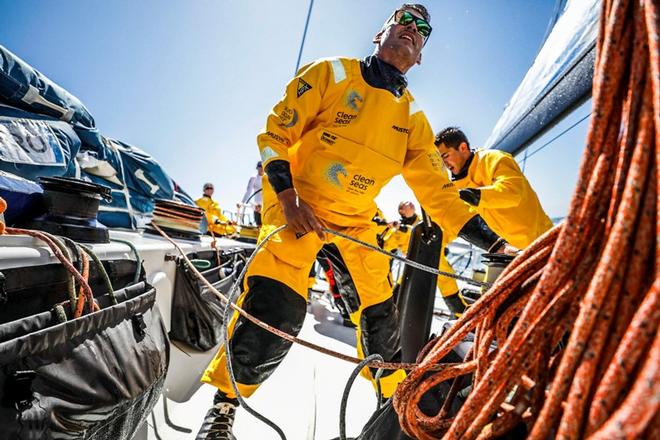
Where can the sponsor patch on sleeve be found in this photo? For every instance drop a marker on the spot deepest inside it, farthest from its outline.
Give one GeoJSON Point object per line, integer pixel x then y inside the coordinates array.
{"type": "Point", "coordinates": [303, 86]}
{"type": "Point", "coordinates": [436, 161]}
{"type": "Point", "coordinates": [288, 117]}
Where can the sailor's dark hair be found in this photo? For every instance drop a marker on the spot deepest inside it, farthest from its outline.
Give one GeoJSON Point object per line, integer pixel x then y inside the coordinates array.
{"type": "Point", "coordinates": [419, 8]}
{"type": "Point", "coordinates": [451, 137]}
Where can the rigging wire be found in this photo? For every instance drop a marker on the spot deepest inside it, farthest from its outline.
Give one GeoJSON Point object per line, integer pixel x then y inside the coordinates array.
{"type": "Point", "coordinates": [527, 156]}
{"type": "Point", "coordinates": [302, 42]}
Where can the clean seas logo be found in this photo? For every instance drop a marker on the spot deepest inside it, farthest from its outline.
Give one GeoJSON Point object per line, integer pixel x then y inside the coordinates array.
{"type": "Point", "coordinates": [354, 100]}
{"type": "Point", "coordinates": [343, 118]}
{"type": "Point", "coordinates": [333, 171]}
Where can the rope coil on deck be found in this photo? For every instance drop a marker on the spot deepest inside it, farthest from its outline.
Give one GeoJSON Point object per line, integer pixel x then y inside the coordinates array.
{"type": "Point", "coordinates": [593, 278]}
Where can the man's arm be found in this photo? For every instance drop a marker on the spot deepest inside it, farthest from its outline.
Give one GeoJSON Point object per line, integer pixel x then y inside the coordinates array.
{"type": "Point", "coordinates": [284, 126]}
{"type": "Point", "coordinates": [507, 185]}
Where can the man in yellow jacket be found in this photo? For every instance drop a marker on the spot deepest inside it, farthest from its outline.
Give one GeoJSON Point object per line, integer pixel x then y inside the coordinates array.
{"type": "Point", "coordinates": [491, 182]}
{"type": "Point", "coordinates": [399, 238]}
{"type": "Point", "coordinates": [218, 223]}
{"type": "Point", "coordinates": [344, 128]}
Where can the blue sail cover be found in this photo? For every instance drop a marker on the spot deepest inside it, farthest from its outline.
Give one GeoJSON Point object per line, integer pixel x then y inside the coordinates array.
{"type": "Point", "coordinates": [559, 80]}
{"type": "Point", "coordinates": [46, 131]}
{"type": "Point", "coordinates": [33, 146]}
{"type": "Point", "coordinates": [135, 177]}
{"type": "Point", "coordinates": [23, 86]}
{"type": "Point", "coordinates": [23, 198]}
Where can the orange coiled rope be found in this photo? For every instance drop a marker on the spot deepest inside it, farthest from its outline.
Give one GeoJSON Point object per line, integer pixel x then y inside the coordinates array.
{"type": "Point", "coordinates": [3, 208]}
{"type": "Point", "coordinates": [575, 317]}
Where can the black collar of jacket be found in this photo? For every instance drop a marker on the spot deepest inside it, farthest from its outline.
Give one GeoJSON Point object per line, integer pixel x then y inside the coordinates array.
{"type": "Point", "coordinates": [462, 174]}
{"type": "Point", "coordinates": [409, 220]}
{"type": "Point", "coordinates": [377, 73]}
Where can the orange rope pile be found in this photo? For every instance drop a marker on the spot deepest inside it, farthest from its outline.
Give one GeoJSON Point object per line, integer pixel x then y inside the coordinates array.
{"type": "Point", "coordinates": [3, 208]}
{"type": "Point", "coordinates": [595, 278]}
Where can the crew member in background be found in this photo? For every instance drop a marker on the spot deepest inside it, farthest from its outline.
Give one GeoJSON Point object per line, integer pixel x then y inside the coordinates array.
{"type": "Point", "coordinates": [491, 182]}
{"type": "Point", "coordinates": [253, 194]}
{"type": "Point", "coordinates": [218, 223]}
{"type": "Point", "coordinates": [344, 128]}
{"type": "Point", "coordinates": [397, 237]}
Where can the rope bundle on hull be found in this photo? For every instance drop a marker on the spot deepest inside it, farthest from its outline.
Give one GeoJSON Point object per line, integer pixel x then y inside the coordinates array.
{"type": "Point", "coordinates": [575, 316]}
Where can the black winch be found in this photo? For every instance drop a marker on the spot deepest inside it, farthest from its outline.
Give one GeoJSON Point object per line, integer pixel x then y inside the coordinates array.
{"type": "Point", "coordinates": [495, 264]}
{"type": "Point", "coordinates": [71, 209]}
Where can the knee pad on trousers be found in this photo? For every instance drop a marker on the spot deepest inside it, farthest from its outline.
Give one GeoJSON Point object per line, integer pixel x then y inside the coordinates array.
{"type": "Point", "coordinates": [257, 352]}
{"type": "Point", "coordinates": [379, 325]}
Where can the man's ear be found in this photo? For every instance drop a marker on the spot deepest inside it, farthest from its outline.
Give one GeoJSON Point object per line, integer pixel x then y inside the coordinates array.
{"type": "Point", "coordinates": [376, 39]}
{"type": "Point", "coordinates": [464, 147]}
{"type": "Point", "coordinates": [419, 58]}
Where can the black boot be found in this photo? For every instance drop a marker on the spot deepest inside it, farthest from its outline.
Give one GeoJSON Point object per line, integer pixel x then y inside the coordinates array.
{"type": "Point", "coordinates": [219, 420]}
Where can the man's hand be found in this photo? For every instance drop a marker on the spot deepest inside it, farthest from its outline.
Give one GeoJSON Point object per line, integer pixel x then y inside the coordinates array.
{"type": "Point", "coordinates": [507, 249]}
{"type": "Point", "coordinates": [299, 215]}
{"type": "Point", "coordinates": [470, 195]}
{"type": "Point", "coordinates": [501, 246]}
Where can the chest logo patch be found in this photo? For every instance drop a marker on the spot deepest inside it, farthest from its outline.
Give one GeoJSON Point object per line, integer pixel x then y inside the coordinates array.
{"type": "Point", "coordinates": [303, 86]}
{"type": "Point", "coordinates": [354, 100]}
{"type": "Point", "coordinates": [333, 171]}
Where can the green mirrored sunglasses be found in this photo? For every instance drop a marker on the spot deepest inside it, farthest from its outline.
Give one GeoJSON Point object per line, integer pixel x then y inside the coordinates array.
{"type": "Point", "coordinates": [404, 18]}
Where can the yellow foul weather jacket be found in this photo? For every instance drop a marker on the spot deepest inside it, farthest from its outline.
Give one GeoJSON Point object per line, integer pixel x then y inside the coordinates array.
{"type": "Point", "coordinates": [345, 140]}
{"type": "Point", "coordinates": [508, 203]}
{"type": "Point", "coordinates": [213, 214]}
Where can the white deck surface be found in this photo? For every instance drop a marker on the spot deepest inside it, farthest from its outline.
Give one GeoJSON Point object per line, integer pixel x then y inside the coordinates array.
{"type": "Point", "coordinates": [306, 387]}
{"type": "Point", "coordinates": [303, 396]}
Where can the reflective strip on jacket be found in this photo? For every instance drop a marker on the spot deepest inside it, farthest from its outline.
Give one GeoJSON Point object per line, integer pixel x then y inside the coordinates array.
{"type": "Point", "coordinates": [508, 203]}
{"type": "Point", "coordinates": [345, 140]}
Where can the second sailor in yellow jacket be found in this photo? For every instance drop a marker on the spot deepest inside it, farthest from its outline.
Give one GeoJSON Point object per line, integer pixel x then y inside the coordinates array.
{"type": "Point", "coordinates": [217, 222]}
{"type": "Point", "coordinates": [491, 182]}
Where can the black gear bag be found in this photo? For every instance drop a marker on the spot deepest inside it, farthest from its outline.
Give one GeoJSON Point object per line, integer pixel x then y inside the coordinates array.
{"type": "Point", "coordinates": [196, 311]}
{"type": "Point", "coordinates": [94, 377]}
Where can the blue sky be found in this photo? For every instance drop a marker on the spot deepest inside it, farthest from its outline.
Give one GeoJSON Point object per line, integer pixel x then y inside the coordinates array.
{"type": "Point", "coordinates": [191, 81]}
